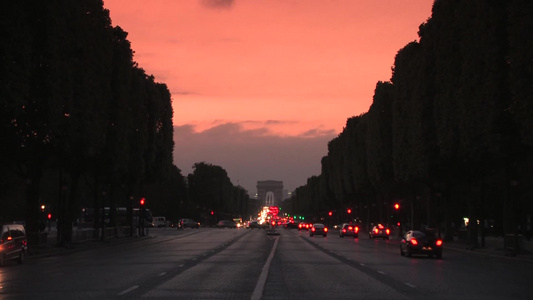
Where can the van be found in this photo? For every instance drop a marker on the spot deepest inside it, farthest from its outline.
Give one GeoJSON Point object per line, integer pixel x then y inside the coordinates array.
{"type": "Point", "coordinates": [159, 222]}
{"type": "Point", "coordinates": [13, 243]}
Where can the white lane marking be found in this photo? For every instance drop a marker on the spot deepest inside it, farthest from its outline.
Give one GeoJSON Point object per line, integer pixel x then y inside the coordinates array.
{"type": "Point", "coordinates": [362, 264]}
{"type": "Point", "coordinates": [258, 291]}
{"type": "Point", "coordinates": [381, 272]}
{"type": "Point", "coordinates": [162, 274]}
{"type": "Point", "coordinates": [181, 266]}
{"type": "Point", "coordinates": [410, 285]}
{"type": "Point", "coordinates": [128, 290]}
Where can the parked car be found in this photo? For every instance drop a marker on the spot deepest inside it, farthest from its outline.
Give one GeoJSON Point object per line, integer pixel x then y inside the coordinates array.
{"type": "Point", "coordinates": [347, 229]}
{"type": "Point", "coordinates": [421, 242]}
{"type": "Point", "coordinates": [13, 243]}
{"type": "Point", "coordinates": [188, 223]}
{"type": "Point", "coordinates": [318, 229]}
{"type": "Point", "coordinates": [379, 231]}
{"type": "Point", "coordinates": [226, 224]}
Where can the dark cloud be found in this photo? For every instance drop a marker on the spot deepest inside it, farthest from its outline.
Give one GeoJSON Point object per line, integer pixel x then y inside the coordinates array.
{"type": "Point", "coordinates": [218, 4]}
{"type": "Point", "coordinates": [279, 122]}
{"type": "Point", "coordinates": [252, 155]}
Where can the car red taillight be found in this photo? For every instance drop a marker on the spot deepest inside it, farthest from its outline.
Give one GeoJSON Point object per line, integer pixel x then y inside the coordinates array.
{"type": "Point", "coordinates": [313, 229]}
{"type": "Point", "coordinates": [344, 230]}
{"type": "Point", "coordinates": [350, 228]}
{"type": "Point", "coordinates": [376, 231]}
{"type": "Point", "coordinates": [356, 229]}
{"type": "Point", "coordinates": [387, 231]}
{"type": "Point", "coordinates": [439, 243]}
{"type": "Point", "coordinates": [414, 242]}
{"type": "Point", "coordinates": [325, 229]}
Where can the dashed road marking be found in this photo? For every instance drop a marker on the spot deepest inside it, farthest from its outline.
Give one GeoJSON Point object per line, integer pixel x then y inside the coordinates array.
{"type": "Point", "coordinates": [124, 292]}
{"type": "Point", "coordinates": [258, 291]}
{"type": "Point", "coordinates": [410, 285]}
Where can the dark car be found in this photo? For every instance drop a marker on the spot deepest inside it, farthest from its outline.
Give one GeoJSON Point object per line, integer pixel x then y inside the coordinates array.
{"type": "Point", "coordinates": [13, 243]}
{"type": "Point", "coordinates": [318, 229]}
{"type": "Point", "coordinates": [226, 224]}
{"type": "Point", "coordinates": [303, 226]}
{"type": "Point", "coordinates": [379, 231]}
{"type": "Point", "coordinates": [347, 229]}
{"type": "Point", "coordinates": [421, 242]}
{"type": "Point", "coordinates": [188, 223]}
{"type": "Point", "coordinates": [255, 224]}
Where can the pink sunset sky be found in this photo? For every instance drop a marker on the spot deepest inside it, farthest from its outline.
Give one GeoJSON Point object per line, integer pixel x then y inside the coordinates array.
{"type": "Point", "coordinates": [259, 87]}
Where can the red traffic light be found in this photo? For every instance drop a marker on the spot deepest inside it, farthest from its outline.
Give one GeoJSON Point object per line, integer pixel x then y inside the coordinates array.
{"type": "Point", "coordinates": [142, 201]}
{"type": "Point", "coordinates": [349, 210]}
{"type": "Point", "coordinates": [212, 212]}
{"type": "Point", "coordinates": [49, 216]}
{"type": "Point", "coordinates": [330, 213]}
{"type": "Point", "coordinates": [396, 206]}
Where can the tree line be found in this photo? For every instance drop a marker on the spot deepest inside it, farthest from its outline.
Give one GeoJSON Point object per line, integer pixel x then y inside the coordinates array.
{"type": "Point", "coordinates": [449, 136]}
{"type": "Point", "coordinates": [76, 110]}
{"type": "Point", "coordinates": [84, 126]}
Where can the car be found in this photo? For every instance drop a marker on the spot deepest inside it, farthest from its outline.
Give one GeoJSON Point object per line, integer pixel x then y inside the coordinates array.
{"type": "Point", "coordinates": [318, 229]}
{"type": "Point", "coordinates": [303, 226]}
{"type": "Point", "coordinates": [255, 224]}
{"type": "Point", "coordinates": [379, 231]}
{"type": "Point", "coordinates": [226, 224]}
{"type": "Point", "coordinates": [188, 223]}
{"type": "Point", "coordinates": [421, 242]}
{"type": "Point", "coordinates": [13, 243]}
{"type": "Point", "coordinates": [347, 229]}
{"type": "Point", "coordinates": [291, 225]}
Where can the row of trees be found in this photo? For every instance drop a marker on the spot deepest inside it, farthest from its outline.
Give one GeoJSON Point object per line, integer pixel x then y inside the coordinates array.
{"type": "Point", "coordinates": [451, 135]}
{"type": "Point", "coordinates": [76, 111]}
{"type": "Point", "coordinates": [212, 196]}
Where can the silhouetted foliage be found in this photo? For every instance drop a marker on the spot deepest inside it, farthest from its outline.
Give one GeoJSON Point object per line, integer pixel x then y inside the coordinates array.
{"type": "Point", "coordinates": [450, 135]}
{"type": "Point", "coordinates": [75, 105]}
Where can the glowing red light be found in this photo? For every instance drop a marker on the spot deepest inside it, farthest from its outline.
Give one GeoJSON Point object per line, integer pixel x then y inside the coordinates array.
{"type": "Point", "coordinates": [356, 229]}
{"type": "Point", "coordinates": [313, 229]}
{"type": "Point", "coordinates": [387, 231]}
{"type": "Point", "coordinates": [414, 242]}
{"type": "Point", "coordinates": [141, 201]}
{"type": "Point", "coordinates": [376, 230]}
{"type": "Point", "coordinates": [396, 206]}
{"type": "Point", "coordinates": [49, 216]}
{"type": "Point", "coordinates": [439, 243]}
{"type": "Point", "coordinates": [349, 211]}
{"type": "Point", "coordinates": [350, 228]}
{"type": "Point", "coordinates": [344, 230]}
{"type": "Point", "coordinates": [325, 229]}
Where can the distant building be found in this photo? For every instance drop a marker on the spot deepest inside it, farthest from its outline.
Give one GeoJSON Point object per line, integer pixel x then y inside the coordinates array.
{"type": "Point", "coordinates": [270, 192]}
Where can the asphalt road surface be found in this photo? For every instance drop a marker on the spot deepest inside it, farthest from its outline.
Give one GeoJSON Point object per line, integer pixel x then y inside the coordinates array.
{"type": "Point", "coordinates": [210, 263]}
